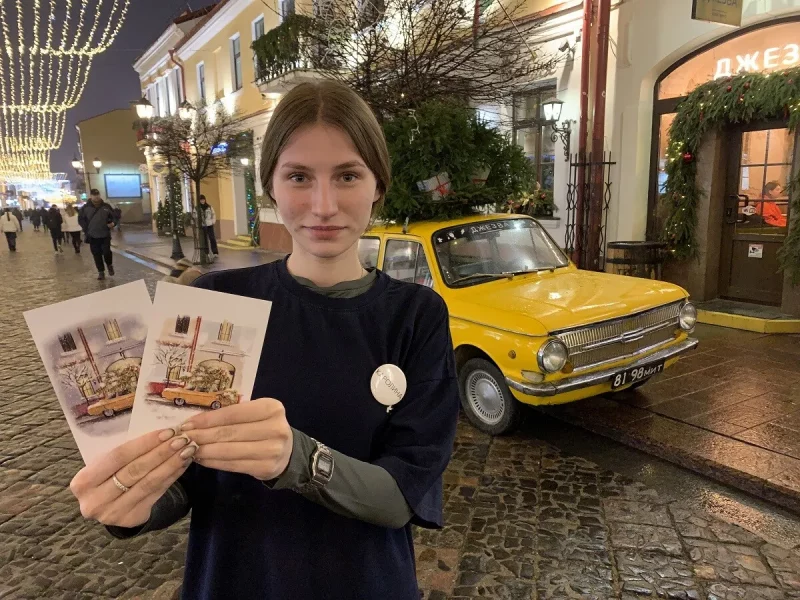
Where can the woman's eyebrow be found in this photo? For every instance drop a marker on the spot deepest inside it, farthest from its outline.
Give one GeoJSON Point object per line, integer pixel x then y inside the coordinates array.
{"type": "Point", "coordinates": [300, 167]}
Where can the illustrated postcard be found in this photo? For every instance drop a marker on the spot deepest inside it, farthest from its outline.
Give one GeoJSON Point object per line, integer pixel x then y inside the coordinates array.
{"type": "Point", "coordinates": [202, 354]}
{"type": "Point", "coordinates": [92, 349]}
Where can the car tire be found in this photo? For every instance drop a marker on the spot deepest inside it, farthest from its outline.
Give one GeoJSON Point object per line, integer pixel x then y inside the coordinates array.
{"type": "Point", "coordinates": [216, 404]}
{"type": "Point", "coordinates": [486, 399]}
{"type": "Point", "coordinates": [109, 412]}
{"type": "Point", "coordinates": [179, 401]}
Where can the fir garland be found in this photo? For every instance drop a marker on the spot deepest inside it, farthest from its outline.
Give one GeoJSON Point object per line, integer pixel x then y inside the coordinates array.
{"type": "Point", "coordinates": [740, 99]}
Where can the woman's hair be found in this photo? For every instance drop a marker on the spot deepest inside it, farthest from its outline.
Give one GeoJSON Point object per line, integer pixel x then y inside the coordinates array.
{"type": "Point", "coordinates": [70, 210]}
{"type": "Point", "coordinates": [331, 103]}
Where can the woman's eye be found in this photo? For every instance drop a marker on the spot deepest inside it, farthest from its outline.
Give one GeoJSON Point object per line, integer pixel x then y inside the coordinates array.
{"type": "Point", "coordinates": [297, 177]}
{"type": "Point", "coordinates": [349, 177]}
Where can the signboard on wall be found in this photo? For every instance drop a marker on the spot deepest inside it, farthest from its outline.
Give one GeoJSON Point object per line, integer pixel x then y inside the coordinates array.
{"type": "Point", "coordinates": [727, 12]}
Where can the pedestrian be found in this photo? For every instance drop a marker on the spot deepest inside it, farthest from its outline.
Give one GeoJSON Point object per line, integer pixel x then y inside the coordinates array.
{"type": "Point", "coordinates": [72, 227]}
{"type": "Point", "coordinates": [117, 217]}
{"type": "Point", "coordinates": [209, 218]}
{"type": "Point", "coordinates": [36, 219]}
{"type": "Point", "coordinates": [97, 221]}
{"type": "Point", "coordinates": [55, 220]}
{"type": "Point", "coordinates": [9, 224]}
{"type": "Point", "coordinates": [274, 512]}
{"type": "Point", "coordinates": [18, 213]}
{"type": "Point", "coordinates": [43, 214]}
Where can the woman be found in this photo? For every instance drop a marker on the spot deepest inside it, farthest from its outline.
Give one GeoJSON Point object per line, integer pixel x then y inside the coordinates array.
{"type": "Point", "coordinates": [36, 219]}
{"type": "Point", "coordinates": [277, 514]}
{"type": "Point", "coordinates": [72, 227]}
{"type": "Point", "coordinates": [9, 225]}
{"type": "Point", "coordinates": [54, 221]}
{"type": "Point", "coordinates": [209, 218]}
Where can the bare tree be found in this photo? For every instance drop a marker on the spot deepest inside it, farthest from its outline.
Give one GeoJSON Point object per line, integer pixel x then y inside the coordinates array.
{"type": "Point", "coordinates": [400, 53]}
{"type": "Point", "coordinates": [199, 147]}
{"type": "Point", "coordinates": [76, 375]}
{"type": "Point", "coordinates": [171, 355]}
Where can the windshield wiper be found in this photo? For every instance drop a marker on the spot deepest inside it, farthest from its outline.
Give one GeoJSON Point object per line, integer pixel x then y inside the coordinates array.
{"type": "Point", "coordinates": [478, 275]}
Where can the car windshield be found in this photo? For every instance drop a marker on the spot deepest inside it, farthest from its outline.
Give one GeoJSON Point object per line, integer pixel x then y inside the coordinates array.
{"type": "Point", "coordinates": [479, 252]}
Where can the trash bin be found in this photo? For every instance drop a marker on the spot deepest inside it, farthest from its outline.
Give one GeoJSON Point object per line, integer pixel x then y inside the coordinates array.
{"type": "Point", "coordinates": [636, 259]}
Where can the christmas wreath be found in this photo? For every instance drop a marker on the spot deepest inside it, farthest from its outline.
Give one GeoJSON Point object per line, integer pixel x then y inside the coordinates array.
{"type": "Point", "coordinates": [741, 99]}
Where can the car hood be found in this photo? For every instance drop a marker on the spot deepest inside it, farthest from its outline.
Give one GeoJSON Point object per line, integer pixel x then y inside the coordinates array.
{"type": "Point", "coordinates": [539, 303]}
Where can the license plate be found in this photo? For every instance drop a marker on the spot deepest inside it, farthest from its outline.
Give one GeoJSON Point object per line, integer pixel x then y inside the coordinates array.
{"type": "Point", "coordinates": [634, 374]}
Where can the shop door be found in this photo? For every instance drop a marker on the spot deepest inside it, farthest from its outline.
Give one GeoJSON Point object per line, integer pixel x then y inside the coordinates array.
{"type": "Point", "coordinates": [755, 213]}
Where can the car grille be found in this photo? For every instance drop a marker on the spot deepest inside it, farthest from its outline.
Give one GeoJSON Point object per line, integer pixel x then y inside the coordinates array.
{"type": "Point", "coordinates": [619, 338]}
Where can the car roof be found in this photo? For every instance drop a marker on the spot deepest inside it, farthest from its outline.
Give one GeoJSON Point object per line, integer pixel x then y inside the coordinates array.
{"type": "Point", "coordinates": [428, 228]}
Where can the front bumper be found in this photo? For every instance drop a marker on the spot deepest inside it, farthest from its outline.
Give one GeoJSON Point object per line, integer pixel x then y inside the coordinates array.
{"type": "Point", "coordinates": [591, 379]}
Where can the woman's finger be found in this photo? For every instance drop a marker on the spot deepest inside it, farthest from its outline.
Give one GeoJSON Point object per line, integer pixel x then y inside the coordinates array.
{"type": "Point", "coordinates": [241, 432]}
{"type": "Point", "coordinates": [95, 474]}
{"type": "Point", "coordinates": [246, 412]}
{"type": "Point", "coordinates": [261, 450]}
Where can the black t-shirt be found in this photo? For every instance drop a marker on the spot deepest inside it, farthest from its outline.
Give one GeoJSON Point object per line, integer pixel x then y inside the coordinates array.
{"type": "Point", "coordinates": [247, 541]}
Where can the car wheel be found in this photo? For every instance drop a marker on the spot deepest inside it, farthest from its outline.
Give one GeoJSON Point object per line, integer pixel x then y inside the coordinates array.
{"type": "Point", "coordinates": [486, 399]}
{"type": "Point", "coordinates": [215, 405]}
{"type": "Point", "coordinates": [179, 401]}
{"type": "Point", "coordinates": [109, 412]}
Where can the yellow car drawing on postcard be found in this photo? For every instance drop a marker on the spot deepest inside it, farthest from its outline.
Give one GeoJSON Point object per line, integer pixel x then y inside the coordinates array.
{"type": "Point", "coordinates": [527, 325]}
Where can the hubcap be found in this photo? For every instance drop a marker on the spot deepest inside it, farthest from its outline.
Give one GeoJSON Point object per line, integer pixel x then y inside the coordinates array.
{"type": "Point", "coordinates": [485, 397]}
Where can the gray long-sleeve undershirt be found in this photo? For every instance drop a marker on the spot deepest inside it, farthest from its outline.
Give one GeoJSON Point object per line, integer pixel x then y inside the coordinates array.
{"type": "Point", "coordinates": [357, 489]}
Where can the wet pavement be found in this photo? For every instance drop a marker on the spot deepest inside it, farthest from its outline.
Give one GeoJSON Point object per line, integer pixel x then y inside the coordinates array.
{"type": "Point", "coordinates": [139, 243]}
{"type": "Point", "coordinates": [551, 512]}
{"type": "Point", "coordinates": [730, 410]}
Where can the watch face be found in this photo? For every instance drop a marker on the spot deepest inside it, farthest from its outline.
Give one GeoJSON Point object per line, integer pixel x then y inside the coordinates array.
{"type": "Point", "coordinates": [325, 465]}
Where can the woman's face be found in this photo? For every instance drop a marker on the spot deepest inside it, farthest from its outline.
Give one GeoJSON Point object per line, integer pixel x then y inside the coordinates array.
{"type": "Point", "coordinates": [324, 191]}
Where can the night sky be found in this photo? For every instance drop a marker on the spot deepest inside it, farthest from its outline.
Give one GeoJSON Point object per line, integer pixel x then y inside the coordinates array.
{"type": "Point", "coordinates": [112, 81]}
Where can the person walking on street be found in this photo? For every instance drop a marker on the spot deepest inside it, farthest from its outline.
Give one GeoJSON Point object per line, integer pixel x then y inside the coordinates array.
{"type": "Point", "coordinates": [55, 221]}
{"type": "Point", "coordinates": [18, 213]}
{"type": "Point", "coordinates": [117, 217]}
{"type": "Point", "coordinates": [209, 218]}
{"type": "Point", "coordinates": [44, 215]}
{"type": "Point", "coordinates": [72, 227]}
{"type": "Point", "coordinates": [36, 219]}
{"type": "Point", "coordinates": [9, 224]}
{"type": "Point", "coordinates": [97, 221]}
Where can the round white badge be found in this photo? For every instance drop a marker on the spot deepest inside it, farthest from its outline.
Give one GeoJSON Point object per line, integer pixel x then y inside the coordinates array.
{"type": "Point", "coordinates": [388, 385]}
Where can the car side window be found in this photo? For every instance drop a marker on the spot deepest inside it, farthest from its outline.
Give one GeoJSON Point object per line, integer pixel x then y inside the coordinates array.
{"type": "Point", "coordinates": [368, 248]}
{"type": "Point", "coordinates": [406, 261]}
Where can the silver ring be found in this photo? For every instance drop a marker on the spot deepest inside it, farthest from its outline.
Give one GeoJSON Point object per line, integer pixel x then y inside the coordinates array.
{"type": "Point", "coordinates": [122, 487]}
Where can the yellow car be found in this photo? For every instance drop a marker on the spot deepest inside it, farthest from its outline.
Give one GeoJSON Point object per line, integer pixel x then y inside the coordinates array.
{"type": "Point", "coordinates": [527, 325]}
{"type": "Point", "coordinates": [214, 400]}
{"type": "Point", "coordinates": [111, 406]}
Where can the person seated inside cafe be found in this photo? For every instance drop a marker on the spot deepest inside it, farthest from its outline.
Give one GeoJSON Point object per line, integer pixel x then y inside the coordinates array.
{"type": "Point", "coordinates": [770, 211]}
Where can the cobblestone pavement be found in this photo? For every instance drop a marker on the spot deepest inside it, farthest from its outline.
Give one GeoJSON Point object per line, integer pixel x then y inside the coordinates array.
{"type": "Point", "coordinates": [523, 519]}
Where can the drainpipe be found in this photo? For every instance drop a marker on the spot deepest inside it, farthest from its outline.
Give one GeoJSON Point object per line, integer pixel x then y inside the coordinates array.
{"type": "Point", "coordinates": [183, 74]}
{"type": "Point", "coordinates": [586, 43]}
{"type": "Point", "coordinates": [598, 137]}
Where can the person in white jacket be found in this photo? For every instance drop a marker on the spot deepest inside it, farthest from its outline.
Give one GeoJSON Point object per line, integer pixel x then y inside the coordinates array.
{"type": "Point", "coordinates": [72, 227]}
{"type": "Point", "coordinates": [9, 224]}
{"type": "Point", "coordinates": [209, 218]}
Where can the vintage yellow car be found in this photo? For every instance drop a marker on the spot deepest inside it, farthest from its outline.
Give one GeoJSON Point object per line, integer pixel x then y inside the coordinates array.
{"type": "Point", "coordinates": [527, 325]}
{"type": "Point", "coordinates": [214, 400]}
{"type": "Point", "coordinates": [110, 406]}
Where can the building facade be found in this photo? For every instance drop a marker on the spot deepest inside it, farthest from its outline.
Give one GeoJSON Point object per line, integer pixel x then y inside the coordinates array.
{"type": "Point", "coordinates": [122, 177]}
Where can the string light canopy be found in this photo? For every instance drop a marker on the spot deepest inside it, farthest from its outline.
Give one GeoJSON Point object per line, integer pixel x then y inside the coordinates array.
{"type": "Point", "coordinates": [46, 52]}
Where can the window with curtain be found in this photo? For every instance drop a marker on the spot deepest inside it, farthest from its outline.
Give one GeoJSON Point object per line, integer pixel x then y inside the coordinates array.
{"type": "Point", "coordinates": [201, 81]}
{"type": "Point", "coordinates": [528, 131]}
{"type": "Point", "coordinates": [258, 31]}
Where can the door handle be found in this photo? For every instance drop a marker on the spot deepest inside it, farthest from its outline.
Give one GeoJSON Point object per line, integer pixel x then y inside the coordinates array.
{"type": "Point", "coordinates": [732, 209]}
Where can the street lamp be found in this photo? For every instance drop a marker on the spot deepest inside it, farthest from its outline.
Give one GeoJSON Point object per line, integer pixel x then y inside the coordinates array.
{"type": "Point", "coordinates": [144, 110]}
{"type": "Point", "coordinates": [77, 164]}
{"type": "Point", "coordinates": [552, 115]}
{"type": "Point", "coordinates": [186, 111]}
{"type": "Point", "coordinates": [97, 163]}
{"type": "Point", "coordinates": [245, 161]}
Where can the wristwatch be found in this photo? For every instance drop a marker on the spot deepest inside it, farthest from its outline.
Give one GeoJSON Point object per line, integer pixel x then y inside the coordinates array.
{"type": "Point", "coordinates": [322, 465]}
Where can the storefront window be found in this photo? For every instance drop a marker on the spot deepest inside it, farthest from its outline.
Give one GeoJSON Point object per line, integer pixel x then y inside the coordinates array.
{"type": "Point", "coordinates": [530, 133]}
{"type": "Point", "coordinates": [762, 50]}
{"type": "Point", "coordinates": [663, 142]}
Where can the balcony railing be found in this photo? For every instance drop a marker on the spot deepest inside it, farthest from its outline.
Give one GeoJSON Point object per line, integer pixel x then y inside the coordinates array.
{"type": "Point", "coordinates": [291, 46]}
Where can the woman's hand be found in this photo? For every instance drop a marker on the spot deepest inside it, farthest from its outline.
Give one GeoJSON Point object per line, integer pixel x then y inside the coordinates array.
{"type": "Point", "coordinates": [252, 438]}
{"type": "Point", "coordinates": [147, 466]}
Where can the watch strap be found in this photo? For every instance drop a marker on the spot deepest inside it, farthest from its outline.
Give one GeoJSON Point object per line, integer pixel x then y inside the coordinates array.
{"type": "Point", "coordinates": [318, 479]}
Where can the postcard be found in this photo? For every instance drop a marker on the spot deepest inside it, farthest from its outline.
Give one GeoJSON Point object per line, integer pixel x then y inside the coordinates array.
{"type": "Point", "coordinates": [202, 353]}
{"type": "Point", "coordinates": [92, 349]}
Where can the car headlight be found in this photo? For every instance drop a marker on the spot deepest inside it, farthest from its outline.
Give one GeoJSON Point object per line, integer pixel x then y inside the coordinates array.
{"type": "Point", "coordinates": [688, 316]}
{"type": "Point", "coordinates": [553, 355]}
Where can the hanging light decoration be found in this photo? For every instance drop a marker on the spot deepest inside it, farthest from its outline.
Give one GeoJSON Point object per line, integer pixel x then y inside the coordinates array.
{"type": "Point", "coordinates": [46, 52]}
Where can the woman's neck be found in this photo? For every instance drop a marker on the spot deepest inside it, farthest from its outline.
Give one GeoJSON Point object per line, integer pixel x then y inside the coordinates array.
{"type": "Point", "coordinates": [326, 272]}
